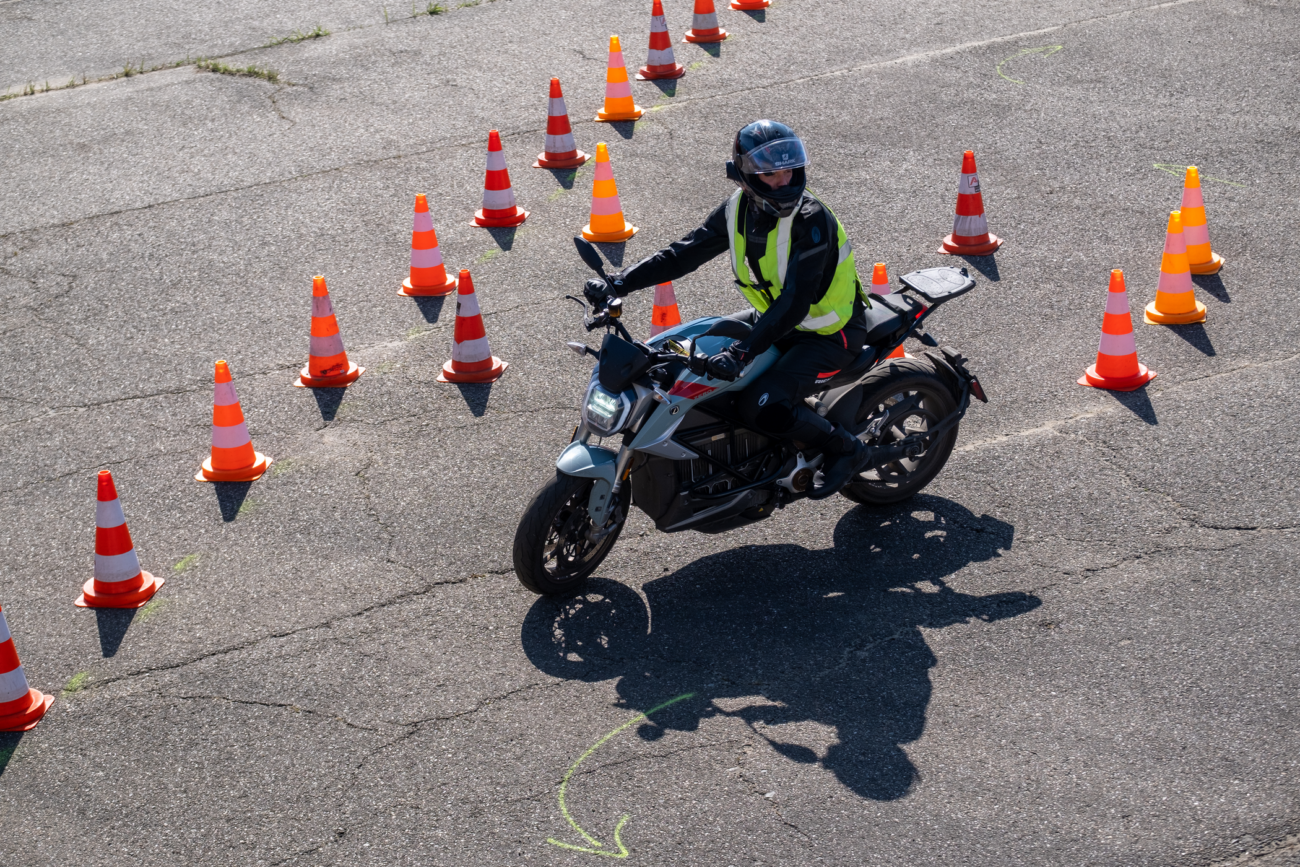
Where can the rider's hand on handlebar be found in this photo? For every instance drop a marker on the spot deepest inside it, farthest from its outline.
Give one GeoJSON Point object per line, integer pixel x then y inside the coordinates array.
{"type": "Point", "coordinates": [727, 364]}
{"type": "Point", "coordinates": [598, 292]}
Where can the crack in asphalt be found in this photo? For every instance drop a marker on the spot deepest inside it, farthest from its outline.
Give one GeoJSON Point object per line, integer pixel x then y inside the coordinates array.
{"type": "Point", "coordinates": [273, 704]}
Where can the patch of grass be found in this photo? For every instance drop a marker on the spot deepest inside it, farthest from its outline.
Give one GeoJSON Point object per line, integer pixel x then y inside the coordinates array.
{"type": "Point", "coordinates": [557, 194]}
{"type": "Point", "coordinates": [76, 683]}
{"type": "Point", "coordinates": [150, 610]}
{"type": "Point", "coordinates": [435, 9]}
{"type": "Point", "coordinates": [187, 561]}
{"type": "Point", "coordinates": [249, 71]}
{"type": "Point", "coordinates": [127, 71]}
{"type": "Point", "coordinates": [466, 3]}
{"type": "Point", "coordinates": [488, 256]}
{"type": "Point", "coordinates": [299, 36]}
{"type": "Point", "coordinates": [248, 507]}
{"type": "Point", "coordinates": [283, 465]}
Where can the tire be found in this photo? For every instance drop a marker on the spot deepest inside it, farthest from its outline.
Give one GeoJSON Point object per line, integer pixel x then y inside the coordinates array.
{"type": "Point", "coordinates": [911, 397]}
{"type": "Point", "coordinates": [552, 553]}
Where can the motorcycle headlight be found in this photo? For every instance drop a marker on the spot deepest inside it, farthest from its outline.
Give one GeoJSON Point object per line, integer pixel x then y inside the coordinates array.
{"type": "Point", "coordinates": [605, 413]}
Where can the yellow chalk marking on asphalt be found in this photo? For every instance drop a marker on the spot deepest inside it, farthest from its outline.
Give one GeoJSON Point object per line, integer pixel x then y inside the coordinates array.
{"type": "Point", "coordinates": [564, 787]}
{"type": "Point", "coordinates": [1178, 171]}
{"type": "Point", "coordinates": [1044, 50]}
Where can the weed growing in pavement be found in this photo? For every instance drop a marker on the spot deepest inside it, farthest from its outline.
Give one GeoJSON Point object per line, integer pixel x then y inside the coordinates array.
{"type": "Point", "coordinates": [465, 3]}
{"type": "Point", "coordinates": [249, 71]}
{"type": "Point", "coordinates": [435, 9]}
{"type": "Point", "coordinates": [299, 36]}
{"type": "Point", "coordinates": [185, 562]}
{"type": "Point", "coordinates": [150, 610]}
{"type": "Point", "coordinates": [76, 683]}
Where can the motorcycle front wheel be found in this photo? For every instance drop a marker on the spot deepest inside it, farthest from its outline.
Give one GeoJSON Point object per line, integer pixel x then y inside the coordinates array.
{"type": "Point", "coordinates": [553, 554]}
{"type": "Point", "coordinates": [900, 398]}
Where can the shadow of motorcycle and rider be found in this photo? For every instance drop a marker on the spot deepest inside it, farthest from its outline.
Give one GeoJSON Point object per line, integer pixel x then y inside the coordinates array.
{"type": "Point", "coordinates": [831, 636]}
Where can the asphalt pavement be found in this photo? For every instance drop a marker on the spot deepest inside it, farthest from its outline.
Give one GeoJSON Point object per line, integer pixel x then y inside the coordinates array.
{"type": "Point", "coordinates": [1077, 647]}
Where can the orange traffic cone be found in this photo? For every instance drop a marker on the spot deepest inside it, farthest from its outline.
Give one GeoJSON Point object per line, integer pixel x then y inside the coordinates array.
{"type": "Point", "coordinates": [21, 707]}
{"type": "Point", "coordinates": [119, 581]}
{"type": "Point", "coordinates": [704, 26]}
{"type": "Point", "coordinates": [660, 63]}
{"type": "Point", "coordinates": [561, 152]}
{"type": "Point", "coordinates": [1175, 302]}
{"type": "Point", "coordinates": [428, 274]}
{"type": "Point", "coordinates": [607, 223]}
{"type": "Point", "coordinates": [471, 357]}
{"type": "Point", "coordinates": [618, 91]}
{"type": "Point", "coordinates": [327, 362]}
{"type": "Point", "coordinates": [233, 458]}
{"type": "Point", "coordinates": [750, 5]}
{"type": "Point", "coordinates": [970, 231]}
{"type": "Point", "coordinates": [880, 286]}
{"type": "Point", "coordinates": [1117, 367]}
{"type": "Point", "coordinates": [665, 314]}
{"type": "Point", "coordinates": [1200, 258]}
{"type": "Point", "coordinates": [499, 208]}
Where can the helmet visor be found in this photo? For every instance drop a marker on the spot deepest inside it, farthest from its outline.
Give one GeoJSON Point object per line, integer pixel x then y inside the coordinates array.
{"type": "Point", "coordinates": [774, 156]}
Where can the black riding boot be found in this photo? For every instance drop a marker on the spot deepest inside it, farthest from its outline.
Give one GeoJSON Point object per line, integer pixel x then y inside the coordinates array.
{"type": "Point", "coordinates": [843, 458]}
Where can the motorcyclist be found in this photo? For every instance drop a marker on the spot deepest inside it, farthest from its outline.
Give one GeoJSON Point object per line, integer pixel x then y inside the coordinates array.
{"type": "Point", "coordinates": [794, 264]}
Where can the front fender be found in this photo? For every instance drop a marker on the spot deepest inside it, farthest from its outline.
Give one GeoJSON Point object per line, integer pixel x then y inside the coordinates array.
{"type": "Point", "coordinates": [591, 462]}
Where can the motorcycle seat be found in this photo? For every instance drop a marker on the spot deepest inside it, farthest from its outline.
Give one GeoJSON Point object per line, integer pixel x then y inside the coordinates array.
{"type": "Point", "coordinates": [881, 322]}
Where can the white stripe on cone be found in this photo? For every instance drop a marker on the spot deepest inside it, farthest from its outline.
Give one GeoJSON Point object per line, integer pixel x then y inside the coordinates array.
{"type": "Point", "coordinates": [13, 685]}
{"type": "Point", "coordinates": [707, 21]}
{"type": "Point", "coordinates": [1118, 344]}
{"type": "Point", "coordinates": [970, 227]}
{"type": "Point", "coordinates": [325, 346]}
{"type": "Point", "coordinates": [470, 351]}
{"type": "Point", "coordinates": [110, 569]}
{"type": "Point", "coordinates": [223, 394]}
{"type": "Point", "coordinates": [426, 258]}
{"type": "Point", "coordinates": [423, 221]}
{"type": "Point", "coordinates": [107, 515]}
{"type": "Point", "coordinates": [496, 161]}
{"type": "Point", "coordinates": [560, 144]}
{"type": "Point", "coordinates": [661, 57]}
{"type": "Point", "coordinates": [498, 200]}
{"type": "Point", "coordinates": [230, 436]}
{"type": "Point", "coordinates": [1117, 303]}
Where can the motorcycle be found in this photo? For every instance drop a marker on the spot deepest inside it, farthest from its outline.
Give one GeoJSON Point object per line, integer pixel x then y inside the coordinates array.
{"type": "Point", "coordinates": [685, 459]}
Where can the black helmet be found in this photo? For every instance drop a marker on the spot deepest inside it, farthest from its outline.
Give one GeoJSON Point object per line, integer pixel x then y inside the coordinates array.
{"type": "Point", "coordinates": [766, 146]}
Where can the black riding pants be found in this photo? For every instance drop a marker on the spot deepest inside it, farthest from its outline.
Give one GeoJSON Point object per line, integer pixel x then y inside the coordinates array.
{"type": "Point", "coordinates": [774, 403]}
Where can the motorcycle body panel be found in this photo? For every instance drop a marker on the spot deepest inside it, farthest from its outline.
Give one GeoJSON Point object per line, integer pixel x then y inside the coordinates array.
{"type": "Point", "coordinates": [591, 462]}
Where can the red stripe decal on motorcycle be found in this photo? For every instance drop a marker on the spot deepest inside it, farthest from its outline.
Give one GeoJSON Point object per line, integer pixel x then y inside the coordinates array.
{"type": "Point", "coordinates": [690, 390]}
{"type": "Point", "coordinates": [828, 375]}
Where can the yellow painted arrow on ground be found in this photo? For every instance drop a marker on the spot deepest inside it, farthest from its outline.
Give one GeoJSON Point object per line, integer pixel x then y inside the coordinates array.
{"type": "Point", "coordinates": [564, 787]}
{"type": "Point", "coordinates": [1044, 50]}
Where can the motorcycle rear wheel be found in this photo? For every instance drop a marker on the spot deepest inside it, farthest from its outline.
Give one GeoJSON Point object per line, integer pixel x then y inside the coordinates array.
{"type": "Point", "coordinates": [901, 398]}
{"type": "Point", "coordinates": [552, 553]}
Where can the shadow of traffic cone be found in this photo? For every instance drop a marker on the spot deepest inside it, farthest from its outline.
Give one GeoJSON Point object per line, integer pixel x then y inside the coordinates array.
{"type": "Point", "coordinates": [21, 707]}
{"type": "Point", "coordinates": [1175, 302]}
{"type": "Point", "coordinates": [618, 90]}
{"type": "Point", "coordinates": [233, 458]}
{"type": "Point", "coordinates": [1200, 258]}
{"type": "Point", "coordinates": [880, 286]}
{"type": "Point", "coordinates": [665, 314]}
{"type": "Point", "coordinates": [660, 63]}
{"type": "Point", "coordinates": [750, 5]}
{"type": "Point", "coordinates": [561, 152]}
{"type": "Point", "coordinates": [607, 223]}
{"type": "Point", "coordinates": [471, 357]}
{"type": "Point", "coordinates": [499, 208]}
{"type": "Point", "coordinates": [327, 361]}
{"type": "Point", "coordinates": [970, 231]}
{"type": "Point", "coordinates": [428, 273]}
{"type": "Point", "coordinates": [1117, 367]}
{"type": "Point", "coordinates": [119, 582]}
{"type": "Point", "coordinates": [704, 26]}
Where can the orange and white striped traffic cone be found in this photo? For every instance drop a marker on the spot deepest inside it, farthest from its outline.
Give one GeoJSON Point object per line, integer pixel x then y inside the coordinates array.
{"type": "Point", "coordinates": [1175, 302]}
{"type": "Point", "coordinates": [499, 208]}
{"type": "Point", "coordinates": [880, 286]}
{"type": "Point", "coordinates": [1117, 367]}
{"type": "Point", "coordinates": [21, 707]}
{"type": "Point", "coordinates": [970, 231]}
{"type": "Point", "coordinates": [233, 458]}
{"type": "Point", "coordinates": [1200, 258]}
{"type": "Point", "coordinates": [665, 314]}
{"type": "Point", "coordinates": [619, 104]}
{"type": "Point", "coordinates": [428, 273]}
{"type": "Point", "coordinates": [561, 152]}
{"type": "Point", "coordinates": [327, 361]}
{"type": "Point", "coordinates": [750, 5]}
{"type": "Point", "coordinates": [704, 26]}
{"type": "Point", "coordinates": [660, 63]}
{"type": "Point", "coordinates": [607, 223]}
{"type": "Point", "coordinates": [471, 356]}
{"type": "Point", "coordinates": [119, 582]}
